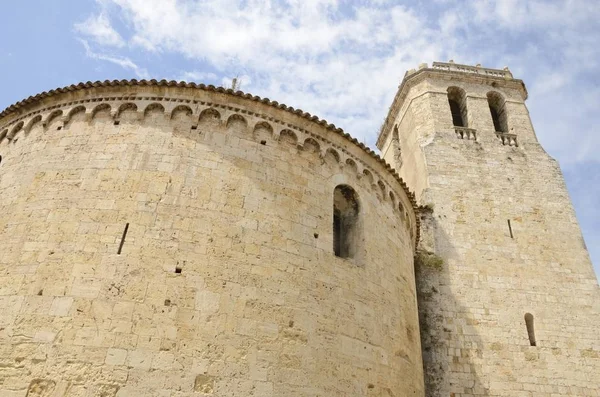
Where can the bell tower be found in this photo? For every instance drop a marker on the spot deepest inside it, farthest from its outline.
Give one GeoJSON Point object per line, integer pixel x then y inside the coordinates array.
{"type": "Point", "coordinates": [508, 301]}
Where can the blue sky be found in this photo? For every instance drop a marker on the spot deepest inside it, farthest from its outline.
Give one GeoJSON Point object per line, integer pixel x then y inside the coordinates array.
{"type": "Point", "coordinates": [341, 60]}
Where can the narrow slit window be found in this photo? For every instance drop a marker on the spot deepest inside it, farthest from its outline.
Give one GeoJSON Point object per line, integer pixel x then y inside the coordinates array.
{"type": "Point", "coordinates": [123, 239]}
{"type": "Point", "coordinates": [495, 119]}
{"type": "Point", "coordinates": [397, 148]}
{"type": "Point", "coordinates": [530, 329]}
{"type": "Point", "coordinates": [458, 106]}
{"type": "Point", "coordinates": [457, 120]}
{"type": "Point", "coordinates": [337, 220]}
{"type": "Point", "coordinates": [346, 230]}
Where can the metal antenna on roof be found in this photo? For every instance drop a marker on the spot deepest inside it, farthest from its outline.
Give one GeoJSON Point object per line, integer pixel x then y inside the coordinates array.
{"type": "Point", "coordinates": [236, 83]}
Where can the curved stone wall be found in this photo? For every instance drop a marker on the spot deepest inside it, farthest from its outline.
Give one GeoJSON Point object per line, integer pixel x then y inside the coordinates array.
{"type": "Point", "coordinates": [175, 241]}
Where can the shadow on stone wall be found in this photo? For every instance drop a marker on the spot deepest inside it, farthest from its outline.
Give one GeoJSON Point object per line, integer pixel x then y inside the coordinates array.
{"type": "Point", "coordinates": [441, 333]}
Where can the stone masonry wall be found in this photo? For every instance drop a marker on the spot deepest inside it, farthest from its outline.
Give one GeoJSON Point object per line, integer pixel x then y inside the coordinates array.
{"type": "Point", "coordinates": [472, 308]}
{"type": "Point", "coordinates": [226, 283]}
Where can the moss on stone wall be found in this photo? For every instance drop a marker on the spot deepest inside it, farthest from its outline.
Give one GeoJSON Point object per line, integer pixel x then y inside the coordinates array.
{"type": "Point", "coordinates": [428, 259]}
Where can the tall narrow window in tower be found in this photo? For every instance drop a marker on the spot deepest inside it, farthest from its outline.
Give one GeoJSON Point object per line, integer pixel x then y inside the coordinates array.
{"type": "Point", "coordinates": [498, 111]}
{"type": "Point", "coordinates": [458, 106]}
{"type": "Point", "coordinates": [396, 148]}
{"type": "Point", "coordinates": [530, 331]}
{"type": "Point", "coordinates": [346, 228]}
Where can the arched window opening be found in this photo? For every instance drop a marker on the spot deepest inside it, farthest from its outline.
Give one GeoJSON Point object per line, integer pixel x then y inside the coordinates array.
{"type": "Point", "coordinates": [498, 111]}
{"type": "Point", "coordinates": [496, 119]}
{"type": "Point", "coordinates": [346, 211]}
{"type": "Point", "coordinates": [530, 330]}
{"type": "Point", "coordinates": [457, 119]}
{"type": "Point", "coordinates": [458, 106]}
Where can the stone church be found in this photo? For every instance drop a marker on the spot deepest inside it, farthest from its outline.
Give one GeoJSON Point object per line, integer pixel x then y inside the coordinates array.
{"type": "Point", "coordinates": [180, 240]}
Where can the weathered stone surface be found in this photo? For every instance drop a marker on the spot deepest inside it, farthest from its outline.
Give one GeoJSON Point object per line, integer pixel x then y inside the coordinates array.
{"type": "Point", "coordinates": [204, 384]}
{"type": "Point", "coordinates": [41, 388]}
{"type": "Point", "coordinates": [226, 282]}
{"type": "Point", "coordinates": [177, 240]}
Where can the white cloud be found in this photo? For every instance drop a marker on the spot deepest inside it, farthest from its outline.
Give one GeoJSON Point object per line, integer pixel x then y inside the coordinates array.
{"type": "Point", "coordinates": [125, 63]}
{"type": "Point", "coordinates": [197, 76]}
{"type": "Point", "coordinates": [99, 29]}
{"type": "Point", "coordinates": [315, 54]}
{"type": "Point", "coordinates": [343, 60]}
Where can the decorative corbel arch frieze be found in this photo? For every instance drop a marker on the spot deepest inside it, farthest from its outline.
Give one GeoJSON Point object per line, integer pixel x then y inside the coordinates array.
{"type": "Point", "coordinates": [237, 121]}
{"type": "Point", "coordinates": [15, 130]}
{"type": "Point", "coordinates": [154, 107]}
{"type": "Point", "coordinates": [31, 123]}
{"type": "Point", "coordinates": [100, 108]}
{"type": "Point", "coordinates": [259, 126]}
{"type": "Point", "coordinates": [72, 112]}
{"type": "Point", "coordinates": [185, 109]}
{"type": "Point", "coordinates": [126, 107]}
{"type": "Point", "coordinates": [52, 116]}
